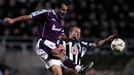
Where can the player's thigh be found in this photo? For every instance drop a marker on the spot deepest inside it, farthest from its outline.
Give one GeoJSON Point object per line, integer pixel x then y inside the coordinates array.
{"type": "Point", "coordinates": [51, 48]}
{"type": "Point", "coordinates": [69, 71]}
{"type": "Point", "coordinates": [56, 70]}
{"type": "Point", "coordinates": [47, 49]}
{"type": "Point", "coordinates": [55, 66]}
{"type": "Point", "coordinates": [44, 48]}
{"type": "Point", "coordinates": [57, 53]}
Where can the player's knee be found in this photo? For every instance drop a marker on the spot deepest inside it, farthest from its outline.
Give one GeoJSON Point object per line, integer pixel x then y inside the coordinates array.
{"type": "Point", "coordinates": [56, 70]}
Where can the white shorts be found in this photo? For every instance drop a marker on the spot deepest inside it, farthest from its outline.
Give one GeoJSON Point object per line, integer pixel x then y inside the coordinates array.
{"type": "Point", "coordinates": [43, 55]}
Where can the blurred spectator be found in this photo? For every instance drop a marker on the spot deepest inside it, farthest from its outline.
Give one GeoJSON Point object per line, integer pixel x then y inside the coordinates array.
{"type": "Point", "coordinates": [103, 17]}
{"type": "Point", "coordinates": [106, 72]}
{"type": "Point", "coordinates": [0, 72]}
{"type": "Point", "coordinates": [92, 71]}
{"type": "Point", "coordinates": [6, 71]}
{"type": "Point", "coordinates": [119, 73]}
{"type": "Point", "coordinates": [16, 72]}
{"type": "Point", "coordinates": [4, 68]}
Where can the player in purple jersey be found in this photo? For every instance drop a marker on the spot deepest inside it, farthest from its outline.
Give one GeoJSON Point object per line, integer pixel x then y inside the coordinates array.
{"type": "Point", "coordinates": [50, 27]}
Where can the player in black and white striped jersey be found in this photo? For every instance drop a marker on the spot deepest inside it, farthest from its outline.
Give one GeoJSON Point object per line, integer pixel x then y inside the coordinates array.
{"type": "Point", "coordinates": [75, 48]}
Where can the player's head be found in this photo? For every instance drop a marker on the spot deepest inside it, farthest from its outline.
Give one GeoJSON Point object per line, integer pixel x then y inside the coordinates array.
{"type": "Point", "coordinates": [75, 33]}
{"type": "Point", "coordinates": [62, 8]}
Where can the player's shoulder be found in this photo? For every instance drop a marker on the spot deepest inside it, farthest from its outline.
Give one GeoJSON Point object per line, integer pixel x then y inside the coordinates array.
{"type": "Point", "coordinates": [46, 10]}
{"type": "Point", "coordinates": [42, 11]}
{"type": "Point", "coordinates": [84, 42]}
{"type": "Point", "coordinates": [50, 11]}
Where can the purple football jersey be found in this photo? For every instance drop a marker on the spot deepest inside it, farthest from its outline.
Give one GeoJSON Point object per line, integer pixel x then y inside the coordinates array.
{"type": "Point", "coordinates": [50, 25]}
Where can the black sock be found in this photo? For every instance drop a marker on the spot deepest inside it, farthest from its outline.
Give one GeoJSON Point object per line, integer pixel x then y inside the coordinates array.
{"type": "Point", "coordinates": [69, 63]}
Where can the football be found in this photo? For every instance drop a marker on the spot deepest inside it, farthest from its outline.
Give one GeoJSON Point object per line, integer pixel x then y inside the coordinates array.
{"type": "Point", "coordinates": [118, 45]}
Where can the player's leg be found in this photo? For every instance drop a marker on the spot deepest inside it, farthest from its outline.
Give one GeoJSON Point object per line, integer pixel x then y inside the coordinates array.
{"type": "Point", "coordinates": [60, 54]}
{"type": "Point", "coordinates": [55, 52]}
{"type": "Point", "coordinates": [86, 67]}
{"type": "Point", "coordinates": [52, 64]}
{"type": "Point", "coordinates": [55, 66]}
{"type": "Point", "coordinates": [56, 70]}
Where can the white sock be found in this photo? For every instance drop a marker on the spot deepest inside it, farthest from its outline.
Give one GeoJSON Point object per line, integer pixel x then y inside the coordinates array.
{"type": "Point", "coordinates": [78, 68]}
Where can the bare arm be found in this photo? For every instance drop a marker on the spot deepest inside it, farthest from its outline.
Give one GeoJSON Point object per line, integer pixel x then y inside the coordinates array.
{"type": "Point", "coordinates": [63, 37]}
{"type": "Point", "coordinates": [14, 20]}
{"type": "Point", "coordinates": [102, 42]}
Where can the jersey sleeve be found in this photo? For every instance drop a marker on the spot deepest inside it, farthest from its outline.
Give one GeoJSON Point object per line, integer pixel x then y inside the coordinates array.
{"type": "Point", "coordinates": [62, 32]}
{"type": "Point", "coordinates": [40, 15]}
{"type": "Point", "coordinates": [87, 44]}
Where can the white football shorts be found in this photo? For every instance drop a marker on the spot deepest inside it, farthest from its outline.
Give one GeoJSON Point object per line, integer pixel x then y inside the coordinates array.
{"type": "Point", "coordinates": [44, 55]}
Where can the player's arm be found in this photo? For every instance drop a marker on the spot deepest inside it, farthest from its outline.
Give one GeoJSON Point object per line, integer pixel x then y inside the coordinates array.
{"type": "Point", "coordinates": [102, 42]}
{"type": "Point", "coordinates": [17, 19]}
{"type": "Point", "coordinates": [63, 37]}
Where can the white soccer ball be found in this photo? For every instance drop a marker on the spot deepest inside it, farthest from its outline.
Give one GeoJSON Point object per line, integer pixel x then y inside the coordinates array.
{"type": "Point", "coordinates": [118, 45]}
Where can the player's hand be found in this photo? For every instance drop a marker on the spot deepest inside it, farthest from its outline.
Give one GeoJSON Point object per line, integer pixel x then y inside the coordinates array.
{"type": "Point", "coordinates": [58, 52]}
{"type": "Point", "coordinates": [60, 47]}
{"type": "Point", "coordinates": [113, 36]}
{"type": "Point", "coordinates": [63, 37]}
{"type": "Point", "coordinates": [8, 21]}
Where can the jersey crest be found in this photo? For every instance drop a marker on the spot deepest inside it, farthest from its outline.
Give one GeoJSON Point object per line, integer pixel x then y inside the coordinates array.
{"type": "Point", "coordinates": [74, 50]}
{"type": "Point", "coordinates": [56, 29]}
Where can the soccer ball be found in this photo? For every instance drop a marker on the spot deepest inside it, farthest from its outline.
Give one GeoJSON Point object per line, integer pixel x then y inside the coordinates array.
{"type": "Point", "coordinates": [118, 45]}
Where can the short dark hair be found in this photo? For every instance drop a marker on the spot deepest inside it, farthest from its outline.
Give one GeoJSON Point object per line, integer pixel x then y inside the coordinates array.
{"type": "Point", "coordinates": [71, 28]}
{"type": "Point", "coordinates": [60, 2]}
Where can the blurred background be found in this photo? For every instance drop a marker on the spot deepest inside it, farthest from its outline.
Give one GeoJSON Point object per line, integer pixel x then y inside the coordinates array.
{"type": "Point", "coordinates": [97, 18]}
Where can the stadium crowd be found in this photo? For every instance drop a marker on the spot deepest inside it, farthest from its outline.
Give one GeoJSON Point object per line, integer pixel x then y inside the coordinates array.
{"type": "Point", "coordinates": [97, 18]}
